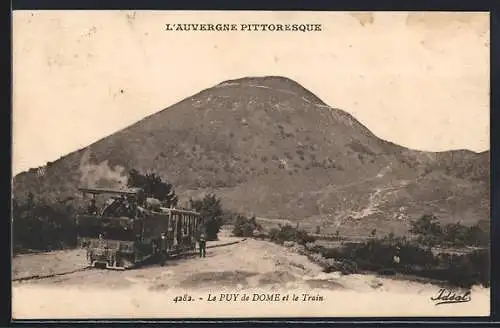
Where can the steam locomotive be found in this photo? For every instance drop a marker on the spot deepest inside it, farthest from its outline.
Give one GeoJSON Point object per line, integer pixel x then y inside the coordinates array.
{"type": "Point", "coordinates": [128, 228]}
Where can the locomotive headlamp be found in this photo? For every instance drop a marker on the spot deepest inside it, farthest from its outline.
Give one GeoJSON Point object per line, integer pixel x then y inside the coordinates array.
{"type": "Point", "coordinates": [162, 236]}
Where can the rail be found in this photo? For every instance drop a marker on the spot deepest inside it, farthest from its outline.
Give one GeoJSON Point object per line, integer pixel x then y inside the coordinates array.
{"type": "Point", "coordinates": [87, 268]}
{"type": "Point", "coordinates": [52, 275]}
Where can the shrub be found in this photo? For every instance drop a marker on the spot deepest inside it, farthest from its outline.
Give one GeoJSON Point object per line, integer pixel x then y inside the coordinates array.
{"type": "Point", "coordinates": [429, 232]}
{"type": "Point", "coordinates": [391, 254]}
{"type": "Point", "coordinates": [378, 255]}
{"type": "Point", "coordinates": [43, 226]}
{"type": "Point", "coordinates": [289, 233]}
{"type": "Point", "coordinates": [462, 270]}
{"type": "Point", "coordinates": [244, 227]}
{"type": "Point", "coordinates": [273, 234]}
{"type": "Point", "coordinates": [426, 225]}
{"type": "Point", "coordinates": [211, 213]}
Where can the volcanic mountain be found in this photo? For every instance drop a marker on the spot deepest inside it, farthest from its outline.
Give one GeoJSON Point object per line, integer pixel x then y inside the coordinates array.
{"type": "Point", "coordinates": [269, 147]}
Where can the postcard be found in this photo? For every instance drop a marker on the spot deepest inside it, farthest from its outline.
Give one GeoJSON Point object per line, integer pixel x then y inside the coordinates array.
{"type": "Point", "coordinates": [182, 164]}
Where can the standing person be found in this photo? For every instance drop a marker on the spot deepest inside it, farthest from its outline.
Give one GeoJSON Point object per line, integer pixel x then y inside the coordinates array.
{"type": "Point", "coordinates": [396, 259]}
{"type": "Point", "coordinates": [92, 209]}
{"type": "Point", "coordinates": [203, 245]}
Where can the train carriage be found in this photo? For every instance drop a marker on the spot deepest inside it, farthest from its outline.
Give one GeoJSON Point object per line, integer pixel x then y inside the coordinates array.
{"type": "Point", "coordinates": [129, 229]}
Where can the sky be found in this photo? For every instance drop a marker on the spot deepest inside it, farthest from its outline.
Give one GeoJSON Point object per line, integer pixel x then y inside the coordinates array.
{"type": "Point", "coordinates": [420, 80]}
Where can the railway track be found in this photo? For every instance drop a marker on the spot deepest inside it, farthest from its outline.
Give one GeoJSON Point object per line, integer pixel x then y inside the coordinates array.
{"type": "Point", "coordinates": [39, 277]}
{"type": "Point", "coordinates": [88, 268]}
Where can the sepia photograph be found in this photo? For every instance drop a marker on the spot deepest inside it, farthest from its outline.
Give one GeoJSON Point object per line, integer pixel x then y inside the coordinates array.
{"type": "Point", "coordinates": [191, 164]}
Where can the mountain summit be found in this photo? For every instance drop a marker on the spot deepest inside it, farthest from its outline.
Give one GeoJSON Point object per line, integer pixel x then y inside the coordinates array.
{"type": "Point", "coordinates": [268, 146]}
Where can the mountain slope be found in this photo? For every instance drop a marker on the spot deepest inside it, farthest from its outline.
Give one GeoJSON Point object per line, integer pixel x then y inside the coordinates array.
{"type": "Point", "coordinates": [270, 147]}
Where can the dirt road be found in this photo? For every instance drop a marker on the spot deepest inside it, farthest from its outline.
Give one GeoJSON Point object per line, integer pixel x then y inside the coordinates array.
{"type": "Point", "coordinates": [250, 263]}
{"type": "Point", "coordinates": [248, 267]}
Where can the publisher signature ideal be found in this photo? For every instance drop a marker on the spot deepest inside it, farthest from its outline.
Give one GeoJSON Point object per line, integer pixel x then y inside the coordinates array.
{"type": "Point", "coordinates": [448, 296]}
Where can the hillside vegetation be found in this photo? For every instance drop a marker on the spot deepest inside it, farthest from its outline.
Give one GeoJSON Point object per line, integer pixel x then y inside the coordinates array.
{"type": "Point", "coordinates": [269, 147]}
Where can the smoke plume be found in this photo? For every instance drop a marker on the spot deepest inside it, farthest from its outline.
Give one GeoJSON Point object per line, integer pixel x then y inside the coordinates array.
{"type": "Point", "coordinates": [101, 175]}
